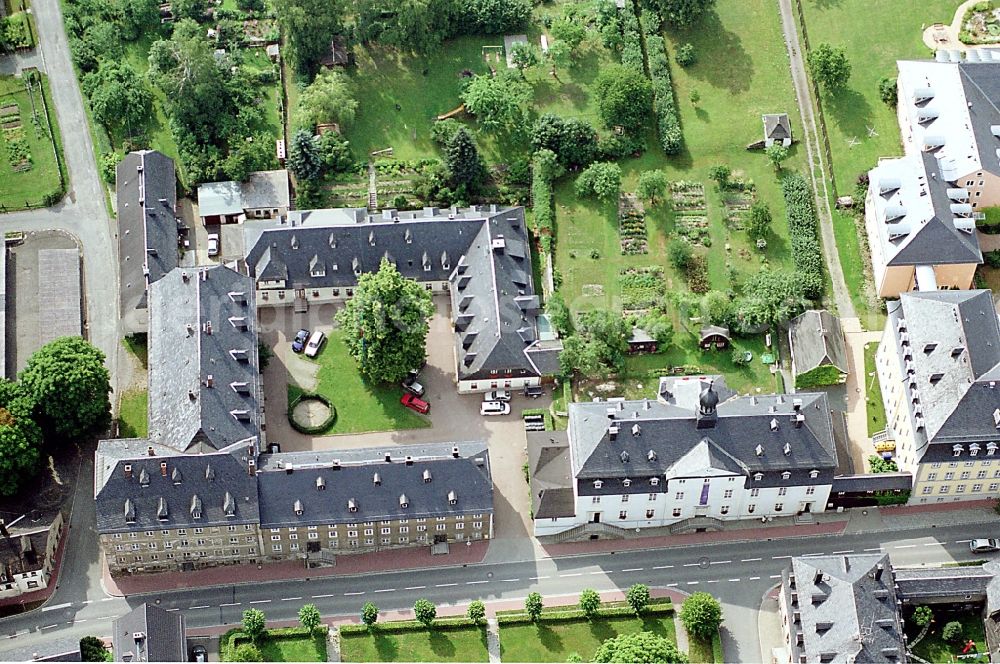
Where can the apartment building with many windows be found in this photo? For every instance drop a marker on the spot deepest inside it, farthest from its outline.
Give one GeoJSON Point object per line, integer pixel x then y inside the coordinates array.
{"type": "Point", "coordinates": [939, 367]}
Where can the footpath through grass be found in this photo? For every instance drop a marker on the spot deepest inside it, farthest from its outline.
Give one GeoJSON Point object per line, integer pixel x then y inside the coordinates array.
{"type": "Point", "coordinates": [874, 406]}
{"type": "Point", "coordinates": [360, 406]}
{"type": "Point", "coordinates": [555, 640]}
{"type": "Point", "coordinates": [452, 644]}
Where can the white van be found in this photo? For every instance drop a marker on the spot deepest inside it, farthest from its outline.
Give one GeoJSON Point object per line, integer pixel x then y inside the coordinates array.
{"type": "Point", "coordinates": [315, 343]}
{"type": "Point", "coordinates": [494, 408]}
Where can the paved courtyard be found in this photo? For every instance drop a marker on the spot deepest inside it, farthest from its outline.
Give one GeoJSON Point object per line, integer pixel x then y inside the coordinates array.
{"type": "Point", "coordinates": [453, 417]}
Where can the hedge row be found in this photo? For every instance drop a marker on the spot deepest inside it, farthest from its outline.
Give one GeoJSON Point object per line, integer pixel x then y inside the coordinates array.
{"type": "Point", "coordinates": [668, 122]}
{"type": "Point", "coordinates": [544, 412]}
{"type": "Point", "coordinates": [631, 39]}
{"type": "Point", "coordinates": [576, 614]}
{"type": "Point", "coordinates": [318, 429]}
{"type": "Point", "coordinates": [400, 626]}
{"type": "Point", "coordinates": [804, 231]}
{"type": "Point", "coordinates": [228, 641]}
{"type": "Point", "coordinates": [542, 204]}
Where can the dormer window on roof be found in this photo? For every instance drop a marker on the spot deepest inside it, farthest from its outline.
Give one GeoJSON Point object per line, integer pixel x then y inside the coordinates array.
{"type": "Point", "coordinates": [991, 448]}
{"type": "Point", "coordinates": [452, 498]}
{"type": "Point", "coordinates": [320, 484]}
{"type": "Point", "coordinates": [427, 475]}
{"type": "Point", "coordinates": [626, 483]}
{"type": "Point", "coordinates": [956, 450]}
{"type": "Point", "coordinates": [298, 508]}
{"type": "Point", "coordinates": [813, 474]}
{"type": "Point", "coordinates": [195, 507]}
{"type": "Point", "coordinates": [785, 475]}
{"type": "Point", "coordinates": [598, 484]}
{"type": "Point", "coordinates": [175, 476]}
{"type": "Point", "coordinates": [654, 481]}
{"type": "Point", "coordinates": [229, 505]}
{"type": "Point", "coordinates": [352, 505]}
{"type": "Point", "coordinates": [162, 513]}
{"type": "Point", "coordinates": [758, 477]}
{"type": "Point", "coordinates": [129, 511]}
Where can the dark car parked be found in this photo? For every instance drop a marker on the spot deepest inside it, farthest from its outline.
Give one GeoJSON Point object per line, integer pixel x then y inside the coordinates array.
{"type": "Point", "coordinates": [299, 342]}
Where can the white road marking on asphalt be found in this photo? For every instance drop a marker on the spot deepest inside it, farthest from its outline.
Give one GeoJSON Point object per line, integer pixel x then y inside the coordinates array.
{"type": "Point", "coordinates": [385, 590]}
{"type": "Point", "coordinates": [779, 557]}
{"type": "Point", "coordinates": [50, 626]}
{"type": "Point", "coordinates": [564, 576]}
{"type": "Point", "coordinates": [962, 541]}
{"type": "Point", "coordinates": [931, 543]}
{"type": "Point", "coordinates": [720, 562]}
{"type": "Point", "coordinates": [735, 580]}
{"type": "Point", "coordinates": [536, 578]}
{"type": "Point", "coordinates": [415, 588]}
{"type": "Point", "coordinates": [904, 546]}
{"type": "Point", "coordinates": [203, 606]}
{"type": "Point", "coordinates": [633, 569]}
{"type": "Point", "coordinates": [509, 580]}
{"type": "Point", "coordinates": [238, 603]}
{"type": "Point", "coordinates": [289, 599]}
{"type": "Point", "coordinates": [598, 572]}
{"type": "Point", "coordinates": [108, 599]}
{"type": "Point", "coordinates": [775, 576]}
{"type": "Point", "coordinates": [671, 585]}
{"type": "Point", "coordinates": [265, 601]}
{"type": "Point", "coordinates": [55, 607]}
{"type": "Point", "coordinates": [356, 592]}
{"type": "Point", "coordinates": [315, 597]}
{"type": "Point", "coordinates": [88, 601]}
{"type": "Point", "coordinates": [693, 583]}
{"type": "Point", "coordinates": [877, 549]}
{"type": "Point", "coordinates": [83, 620]}
{"type": "Point", "coordinates": [818, 553]}
{"type": "Point", "coordinates": [663, 567]}
{"type": "Point", "coordinates": [837, 553]}
{"type": "Point", "coordinates": [173, 609]}
{"type": "Point", "coordinates": [691, 565]}
{"type": "Point", "coordinates": [474, 583]}
{"type": "Point", "coordinates": [445, 585]}
{"type": "Point", "coordinates": [750, 560]}
{"type": "Point", "coordinates": [714, 581]}
{"type": "Point", "coordinates": [754, 578]}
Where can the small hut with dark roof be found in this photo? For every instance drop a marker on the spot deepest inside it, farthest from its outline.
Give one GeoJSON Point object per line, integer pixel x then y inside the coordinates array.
{"type": "Point", "coordinates": [714, 337]}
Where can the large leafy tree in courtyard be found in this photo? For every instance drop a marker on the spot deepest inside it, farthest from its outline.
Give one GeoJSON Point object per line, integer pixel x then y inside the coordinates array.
{"type": "Point", "coordinates": [769, 297]}
{"type": "Point", "coordinates": [305, 159]}
{"type": "Point", "coordinates": [639, 648]}
{"type": "Point", "coordinates": [498, 102]}
{"type": "Point", "coordinates": [310, 26]}
{"type": "Point", "coordinates": [599, 344]}
{"type": "Point", "coordinates": [67, 381]}
{"type": "Point", "coordinates": [624, 97]}
{"type": "Point", "coordinates": [829, 66]}
{"type": "Point", "coordinates": [680, 13]}
{"type": "Point", "coordinates": [465, 168]}
{"type": "Point", "coordinates": [92, 650]}
{"type": "Point", "coordinates": [385, 324]}
{"type": "Point", "coordinates": [20, 439]}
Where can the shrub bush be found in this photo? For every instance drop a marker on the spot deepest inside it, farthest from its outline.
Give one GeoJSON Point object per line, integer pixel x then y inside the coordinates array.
{"type": "Point", "coordinates": [668, 123]}
{"type": "Point", "coordinates": [685, 55]}
{"type": "Point", "coordinates": [804, 231]}
{"type": "Point", "coordinates": [952, 632]}
{"type": "Point", "coordinates": [542, 173]}
{"type": "Point", "coordinates": [821, 376]}
{"type": "Point", "coordinates": [992, 258]}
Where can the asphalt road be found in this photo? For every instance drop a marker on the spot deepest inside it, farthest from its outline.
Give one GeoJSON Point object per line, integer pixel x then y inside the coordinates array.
{"type": "Point", "coordinates": [738, 573]}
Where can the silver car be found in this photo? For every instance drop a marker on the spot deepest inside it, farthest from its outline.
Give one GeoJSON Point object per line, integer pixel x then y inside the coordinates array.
{"type": "Point", "coordinates": [984, 545]}
{"type": "Point", "coordinates": [497, 395]}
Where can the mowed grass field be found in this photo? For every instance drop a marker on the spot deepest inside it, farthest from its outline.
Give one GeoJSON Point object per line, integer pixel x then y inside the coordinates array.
{"type": "Point", "coordinates": [460, 644]}
{"type": "Point", "coordinates": [29, 187]}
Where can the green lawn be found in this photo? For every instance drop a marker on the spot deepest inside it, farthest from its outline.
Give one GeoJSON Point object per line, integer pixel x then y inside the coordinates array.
{"type": "Point", "coordinates": [461, 644]}
{"type": "Point", "coordinates": [29, 187]}
{"type": "Point", "coordinates": [133, 420]}
{"type": "Point", "coordinates": [554, 641]}
{"type": "Point", "coordinates": [360, 406]}
{"type": "Point", "coordinates": [270, 95]}
{"type": "Point", "coordinates": [297, 648]}
{"type": "Point", "coordinates": [138, 346]}
{"type": "Point", "coordinates": [875, 407]}
{"type": "Point", "coordinates": [934, 649]}
{"type": "Point", "coordinates": [701, 651]}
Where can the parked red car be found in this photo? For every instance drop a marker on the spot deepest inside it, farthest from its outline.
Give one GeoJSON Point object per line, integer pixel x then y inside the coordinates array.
{"type": "Point", "coordinates": [414, 403]}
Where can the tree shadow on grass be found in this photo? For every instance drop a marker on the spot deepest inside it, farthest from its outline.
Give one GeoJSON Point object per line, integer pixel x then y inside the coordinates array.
{"type": "Point", "coordinates": [386, 646]}
{"type": "Point", "coordinates": [850, 111]}
{"type": "Point", "coordinates": [602, 630]}
{"type": "Point", "coordinates": [722, 60]}
{"type": "Point", "coordinates": [654, 625]}
{"type": "Point", "coordinates": [549, 639]}
{"type": "Point", "coordinates": [441, 644]}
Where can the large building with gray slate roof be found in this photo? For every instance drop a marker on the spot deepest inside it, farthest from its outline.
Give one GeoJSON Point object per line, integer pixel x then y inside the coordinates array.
{"type": "Point", "coordinates": [479, 255]}
{"type": "Point", "coordinates": [939, 367]}
{"type": "Point", "coordinates": [840, 609]}
{"type": "Point", "coordinates": [148, 633]}
{"type": "Point", "coordinates": [204, 377]}
{"type": "Point", "coordinates": [323, 503]}
{"type": "Point", "coordinates": [696, 455]}
{"type": "Point", "coordinates": [147, 230]}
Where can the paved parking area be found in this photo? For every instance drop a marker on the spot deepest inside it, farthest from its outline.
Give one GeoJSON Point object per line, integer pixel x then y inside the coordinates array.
{"type": "Point", "coordinates": [454, 417]}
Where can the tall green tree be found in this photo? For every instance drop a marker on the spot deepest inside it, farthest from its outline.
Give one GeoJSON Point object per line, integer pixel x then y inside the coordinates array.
{"type": "Point", "coordinates": [776, 153]}
{"type": "Point", "coordinates": [758, 221]}
{"type": "Point", "coordinates": [769, 297]}
{"type": "Point", "coordinates": [20, 439]}
{"type": "Point", "coordinates": [118, 96]}
{"type": "Point", "coordinates": [701, 614]}
{"type": "Point", "coordinates": [652, 185]}
{"type": "Point", "coordinates": [680, 13]}
{"type": "Point", "coordinates": [309, 26]}
{"type": "Point", "coordinates": [424, 611]}
{"type": "Point", "coordinates": [829, 66]}
{"type": "Point", "coordinates": [369, 614]}
{"type": "Point", "coordinates": [196, 10]}
{"type": "Point", "coordinates": [590, 602]}
{"type": "Point", "coordinates": [92, 650]}
{"type": "Point", "coordinates": [602, 179]}
{"type": "Point", "coordinates": [385, 323]}
{"type": "Point", "coordinates": [639, 648]}
{"type": "Point", "coordinates": [464, 164]}
{"type": "Point", "coordinates": [305, 160]}
{"type": "Point", "coordinates": [254, 153]}
{"type": "Point", "coordinates": [570, 31]}
{"type": "Point", "coordinates": [67, 381]}
{"type": "Point", "coordinates": [329, 98]}
{"type": "Point", "coordinates": [533, 606]}
{"type": "Point", "coordinates": [476, 612]}
{"type": "Point", "coordinates": [254, 624]}
{"type": "Point", "coordinates": [624, 97]}
{"type": "Point", "coordinates": [498, 102]}
{"type": "Point", "coordinates": [309, 617]}
{"type": "Point", "coordinates": [524, 56]}
{"type": "Point", "coordinates": [637, 597]}
{"type": "Point", "coordinates": [573, 140]}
